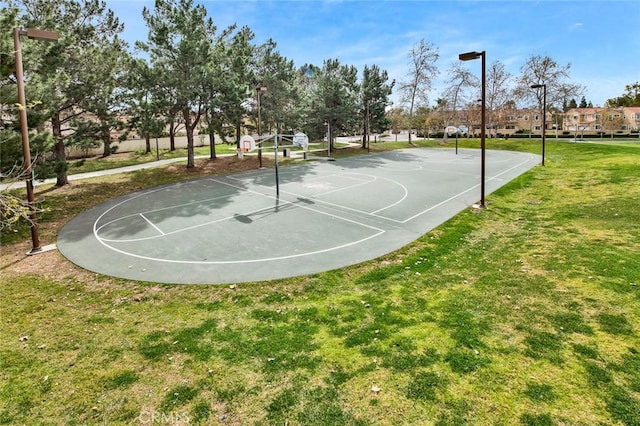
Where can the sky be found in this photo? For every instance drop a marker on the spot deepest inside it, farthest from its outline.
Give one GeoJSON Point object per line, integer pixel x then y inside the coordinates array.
{"type": "Point", "coordinates": [600, 39]}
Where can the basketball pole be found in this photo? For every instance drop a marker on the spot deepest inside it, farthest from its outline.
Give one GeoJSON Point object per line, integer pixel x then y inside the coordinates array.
{"type": "Point", "coordinates": [275, 153]}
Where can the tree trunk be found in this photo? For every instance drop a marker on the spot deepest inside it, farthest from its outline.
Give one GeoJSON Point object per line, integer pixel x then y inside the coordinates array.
{"type": "Point", "coordinates": [212, 142]}
{"type": "Point", "coordinates": [147, 144]}
{"type": "Point", "coordinates": [411, 116]}
{"type": "Point", "coordinates": [331, 145]}
{"type": "Point", "coordinates": [191, 161]}
{"type": "Point", "coordinates": [172, 137]}
{"type": "Point", "coordinates": [238, 135]}
{"type": "Point", "coordinates": [61, 154]}
{"type": "Point", "coordinates": [106, 139]}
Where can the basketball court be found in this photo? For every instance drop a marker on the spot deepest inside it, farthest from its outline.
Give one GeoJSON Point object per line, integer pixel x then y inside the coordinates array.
{"type": "Point", "coordinates": [234, 228]}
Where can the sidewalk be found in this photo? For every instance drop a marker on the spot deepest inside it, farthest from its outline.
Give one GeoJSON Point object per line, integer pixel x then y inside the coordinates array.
{"type": "Point", "coordinates": [88, 175]}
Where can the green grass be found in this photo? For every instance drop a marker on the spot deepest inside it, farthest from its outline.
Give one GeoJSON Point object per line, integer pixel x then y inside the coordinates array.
{"type": "Point", "coordinates": [525, 313]}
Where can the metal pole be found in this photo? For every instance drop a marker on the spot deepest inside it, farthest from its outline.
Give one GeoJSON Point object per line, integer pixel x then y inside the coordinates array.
{"type": "Point", "coordinates": [259, 128]}
{"type": "Point", "coordinates": [544, 118]}
{"type": "Point", "coordinates": [329, 136]}
{"type": "Point", "coordinates": [482, 131]}
{"type": "Point", "coordinates": [26, 152]}
{"type": "Point", "coordinates": [275, 152]}
{"type": "Point", "coordinates": [368, 125]}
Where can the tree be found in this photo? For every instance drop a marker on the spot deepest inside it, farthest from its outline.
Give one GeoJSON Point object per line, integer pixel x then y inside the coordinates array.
{"type": "Point", "coordinates": [583, 102]}
{"type": "Point", "coordinates": [107, 101]}
{"type": "Point", "coordinates": [334, 102]}
{"type": "Point", "coordinates": [630, 98]}
{"type": "Point", "coordinates": [544, 70]}
{"type": "Point", "coordinates": [376, 90]}
{"type": "Point", "coordinates": [498, 93]}
{"type": "Point", "coordinates": [422, 70]}
{"type": "Point", "coordinates": [237, 87]}
{"type": "Point", "coordinates": [460, 78]}
{"type": "Point", "coordinates": [611, 120]}
{"type": "Point", "coordinates": [181, 44]}
{"type": "Point", "coordinates": [61, 71]}
{"type": "Point", "coordinates": [397, 118]}
{"type": "Point", "coordinates": [280, 103]}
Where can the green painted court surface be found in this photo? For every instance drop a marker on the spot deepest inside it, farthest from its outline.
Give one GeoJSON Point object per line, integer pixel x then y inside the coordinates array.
{"type": "Point", "coordinates": [233, 228]}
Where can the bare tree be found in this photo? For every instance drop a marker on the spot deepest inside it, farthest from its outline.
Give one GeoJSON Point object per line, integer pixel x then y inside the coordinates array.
{"type": "Point", "coordinates": [422, 70]}
{"type": "Point", "coordinates": [14, 209]}
{"type": "Point", "coordinates": [498, 92]}
{"type": "Point", "coordinates": [460, 78]}
{"type": "Point", "coordinates": [544, 70]}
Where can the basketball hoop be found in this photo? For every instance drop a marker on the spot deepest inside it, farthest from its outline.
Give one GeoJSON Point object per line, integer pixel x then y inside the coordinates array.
{"type": "Point", "coordinates": [247, 143]}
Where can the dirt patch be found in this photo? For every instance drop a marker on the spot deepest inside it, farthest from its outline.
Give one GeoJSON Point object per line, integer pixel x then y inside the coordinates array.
{"type": "Point", "coordinates": [220, 165]}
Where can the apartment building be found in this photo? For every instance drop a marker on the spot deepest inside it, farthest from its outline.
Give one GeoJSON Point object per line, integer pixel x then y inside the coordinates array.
{"type": "Point", "coordinates": [621, 120]}
{"type": "Point", "coordinates": [507, 122]}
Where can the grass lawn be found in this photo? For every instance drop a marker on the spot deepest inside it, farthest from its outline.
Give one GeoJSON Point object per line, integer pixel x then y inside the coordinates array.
{"type": "Point", "coordinates": [124, 159]}
{"type": "Point", "coordinates": [525, 313]}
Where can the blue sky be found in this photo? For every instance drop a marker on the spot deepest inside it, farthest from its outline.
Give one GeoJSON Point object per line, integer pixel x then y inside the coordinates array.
{"type": "Point", "coordinates": [600, 39]}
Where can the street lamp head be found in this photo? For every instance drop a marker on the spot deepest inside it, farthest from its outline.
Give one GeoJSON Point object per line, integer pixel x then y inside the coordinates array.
{"type": "Point", "coordinates": [35, 34]}
{"type": "Point", "coordinates": [538, 86]}
{"type": "Point", "coordinates": [468, 56]}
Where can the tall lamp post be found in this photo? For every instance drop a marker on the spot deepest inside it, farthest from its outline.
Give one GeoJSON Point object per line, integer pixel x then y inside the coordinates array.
{"type": "Point", "coordinates": [468, 56]}
{"type": "Point", "coordinates": [544, 113]}
{"type": "Point", "coordinates": [26, 152]}
{"type": "Point", "coordinates": [259, 90]}
{"type": "Point", "coordinates": [368, 125]}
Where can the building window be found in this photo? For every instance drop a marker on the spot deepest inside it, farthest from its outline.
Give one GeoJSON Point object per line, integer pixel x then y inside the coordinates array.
{"type": "Point", "coordinates": [537, 117]}
{"type": "Point", "coordinates": [597, 127]}
{"type": "Point", "coordinates": [537, 127]}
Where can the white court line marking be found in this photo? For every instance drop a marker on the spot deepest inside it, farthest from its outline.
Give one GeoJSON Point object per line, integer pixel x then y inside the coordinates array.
{"type": "Point", "coordinates": [343, 207]}
{"type": "Point", "coordinates": [188, 228]}
{"type": "Point", "coordinates": [463, 192]}
{"type": "Point", "coordinates": [340, 206]}
{"type": "Point", "coordinates": [103, 241]}
{"type": "Point", "coordinates": [362, 182]}
{"type": "Point", "coordinates": [150, 211]}
{"type": "Point", "coordinates": [380, 231]}
{"type": "Point", "coordinates": [312, 209]}
{"type": "Point", "coordinates": [227, 262]}
{"type": "Point", "coordinates": [152, 224]}
{"type": "Point", "coordinates": [419, 213]}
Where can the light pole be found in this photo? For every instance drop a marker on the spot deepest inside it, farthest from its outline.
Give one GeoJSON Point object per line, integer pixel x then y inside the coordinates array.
{"type": "Point", "coordinates": [26, 151]}
{"type": "Point", "coordinates": [468, 56]}
{"type": "Point", "coordinates": [368, 125]}
{"type": "Point", "coordinates": [259, 90]}
{"type": "Point", "coordinates": [328, 124]}
{"type": "Point", "coordinates": [544, 113]}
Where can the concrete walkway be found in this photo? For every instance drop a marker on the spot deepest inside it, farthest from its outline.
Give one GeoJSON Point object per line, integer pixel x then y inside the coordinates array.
{"type": "Point", "coordinates": [88, 175]}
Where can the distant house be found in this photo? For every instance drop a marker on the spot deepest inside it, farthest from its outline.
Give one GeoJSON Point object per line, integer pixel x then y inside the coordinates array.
{"type": "Point", "coordinates": [602, 120]}
{"type": "Point", "coordinates": [507, 122]}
